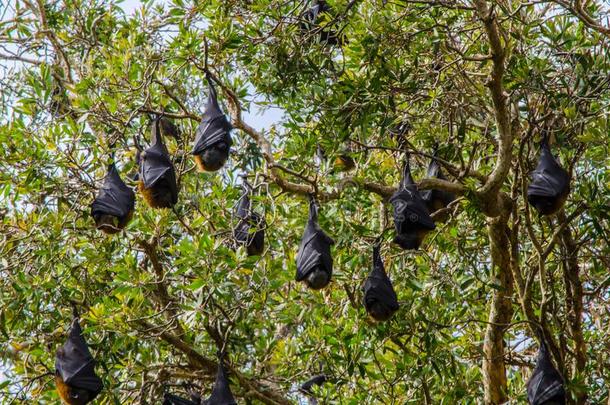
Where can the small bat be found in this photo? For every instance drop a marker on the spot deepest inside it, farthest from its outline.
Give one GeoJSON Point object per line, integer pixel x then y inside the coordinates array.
{"type": "Point", "coordinates": [113, 207]}
{"type": "Point", "coordinates": [250, 230]}
{"type": "Point", "coordinates": [411, 218]}
{"type": "Point", "coordinates": [545, 387]}
{"type": "Point", "coordinates": [306, 387]}
{"type": "Point", "coordinates": [213, 137]}
{"type": "Point", "coordinates": [157, 175]}
{"type": "Point", "coordinates": [75, 378]}
{"type": "Point", "coordinates": [550, 184]}
{"type": "Point", "coordinates": [380, 298]}
{"type": "Point", "coordinates": [314, 261]}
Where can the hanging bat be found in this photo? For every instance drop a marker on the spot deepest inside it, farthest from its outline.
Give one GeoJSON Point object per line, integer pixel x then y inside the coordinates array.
{"type": "Point", "coordinates": [380, 298]}
{"type": "Point", "coordinates": [250, 230]}
{"type": "Point", "coordinates": [306, 387]}
{"type": "Point", "coordinates": [545, 387]}
{"type": "Point", "coordinates": [168, 128]}
{"type": "Point", "coordinates": [221, 393]}
{"type": "Point", "coordinates": [113, 207]}
{"type": "Point", "coordinates": [213, 137]}
{"type": "Point", "coordinates": [411, 218]}
{"type": "Point", "coordinates": [310, 18]}
{"type": "Point", "coordinates": [75, 378]}
{"type": "Point", "coordinates": [157, 174]}
{"type": "Point", "coordinates": [436, 199]}
{"type": "Point", "coordinates": [171, 399]}
{"type": "Point", "coordinates": [314, 261]}
{"type": "Point", "coordinates": [550, 184]}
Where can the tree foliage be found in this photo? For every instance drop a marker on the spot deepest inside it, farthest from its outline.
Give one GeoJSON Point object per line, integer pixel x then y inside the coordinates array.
{"type": "Point", "coordinates": [480, 81]}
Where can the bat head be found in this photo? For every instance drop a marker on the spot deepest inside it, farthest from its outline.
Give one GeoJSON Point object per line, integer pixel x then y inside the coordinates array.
{"type": "Point", "coordinates": [157, 196]}
{"type": "Point", "coordinates": [317, 278]}
{"type": "Point", "coordinates": [212, 158]}
{"type": "Point", "coordinates": [71, 395]}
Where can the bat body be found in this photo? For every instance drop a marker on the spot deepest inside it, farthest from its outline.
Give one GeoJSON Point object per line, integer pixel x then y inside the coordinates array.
{"type": "Point", "coordinates": [250, 230]}
{"type": "Point", "coordinates": [436, 199]}
{"type": "Point", "coordinates": [306, 387]}
{"type": "Point", "coordinates": [380, 298]}
{"type": "Point", "coordinates": [310, 18]}
{"type": "Point", "coordinates": [157, 174]}
{"type": "Point", "coordinates": [545, 386]}
{"type": "Point", "coordinates": [113, 207]}
{"type": "Point", "coordinates": [550, 184]}
{"type": "Point", "coordinates": [411, 218]}
{"type": "Point", "coordinates": [213, 137]}
{"type": "Point", "coordinates": [314, 261]}
{"type": "Point", "coordinates": [171, 399]}
{"type": "Point", "coordinates": [75, 378]}
{"type": "Point", "coordinates": [221, 393]}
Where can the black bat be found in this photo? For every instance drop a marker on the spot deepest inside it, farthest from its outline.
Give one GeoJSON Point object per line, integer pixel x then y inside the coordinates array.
{"type": "Point", "coordinates": [157, 174]}
{"type": "Point", "coordinates": [411, 218]}
{"type": "Point", "coordinates": [550, 184]}
{"type": "Point", "coordinates": [168, 128]}
{"type": "Point", "coordinates": [171, 399]}
{"type": "Point", "coordinates": [221, 393]}
{"type": "Point", "coordinates": [310, 17]}
{"type": "Point", "coordinates": [113, 207]}
{"type": "Point", "coordinates": [436, 199]}
{"type": "Point", "coordinates": [306, 387]}
{"type": "Point", "coordinates": [545, 387]}
{"type": "Point", "coordinates": [250, 230]}
{"type": "Point", "coordinates": [75, 378]}
{"type": "Point", "coordinates": [314, 261]}
{"type": "Point", "coordinates": [380, 298]}
{"type": "Point", "coordinates": [213, 137]}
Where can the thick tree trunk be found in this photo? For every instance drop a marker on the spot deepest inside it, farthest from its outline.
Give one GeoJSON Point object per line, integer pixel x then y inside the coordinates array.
{"type": "Point", "coordinates": [500, 314]}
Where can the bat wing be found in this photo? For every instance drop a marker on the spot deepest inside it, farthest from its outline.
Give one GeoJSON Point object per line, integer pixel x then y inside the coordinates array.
{"type": "Point", "coordinates": [75, 364]}
{"type": "Point", "coordinates": [546, 382]}
{"type": "Point", "coordinates": [171, 399]}
{"type": "Point", "coordinates": [221, 393]}
{"type": "Point", "coordinates": [214, 126]}
{"type": "Point", "coordinates": [410, 209]}
{"type": "Point", "coordinates": [114, 197]}
{"type": "Point", "coordinates": [313, 251]}
{"type": "Point", "coordinates": [157, 165]}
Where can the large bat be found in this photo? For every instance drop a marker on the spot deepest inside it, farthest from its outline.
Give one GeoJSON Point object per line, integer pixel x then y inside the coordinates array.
{"type": "Point", "coordinates": [545, 387]}
{"type": "Point", "coordinates": [213, 137]}
{"type": "Point", "coordinates": [221, 393]}
{"type": "Point", "coordinates": [314, 261]}
{"type": "Point", "coordinates": [436, 199]}
{"type": "Point", "coordinates": [75, 378]}
{"type": "Point", "coordinates": [157, 174]}
{"type": "Point", "coordinates": [113, 207]}
{"type": "Point", "coordinates": [411, 218]}
{"type": "Point", "coordinates": [380, 298]}
{"type": "Point", "coordinates": [250, 230]}
{"type": "Point", "coordinates": [550, 184]}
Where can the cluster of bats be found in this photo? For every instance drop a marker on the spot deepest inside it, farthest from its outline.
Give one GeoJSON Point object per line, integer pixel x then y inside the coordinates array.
{"type": "Point", "coordinates": [114, 206]}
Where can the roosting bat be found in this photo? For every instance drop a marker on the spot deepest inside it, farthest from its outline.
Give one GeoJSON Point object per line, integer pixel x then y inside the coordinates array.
{"type": "Point", "coordinates": [411, 218]}
{"type": "Point", "coordinates": [113, 207]}
{"type": "Point", "coordinates": [221, 393]}
{"type": "Point", "coordinates": [436, 199]}
{"type": "Point", "coordinates": [213, 138]}
{"type": "Point", "coordinates": [380, 298]}
{"type": "Point", "coordinates": [168, 128]}
{"type": "Point", "coordinates": [306, 387]}
{"type": "Point", "coordinates": [171, 399]}
{"type": "Point", "coordinates": [75, 378]}
{"type": "Point", "coordinates": [550, 184]}
{"type": "Point", "coordinates": [250, 230]}
{"type": "Point", "coordinates": [157, 174]}
{"type": "Point", "coordinates": [314, 261]}
{"type": "Point", "coordinates": [327, 35]}
{"type": "Point", "coordinates": [545, 387]}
